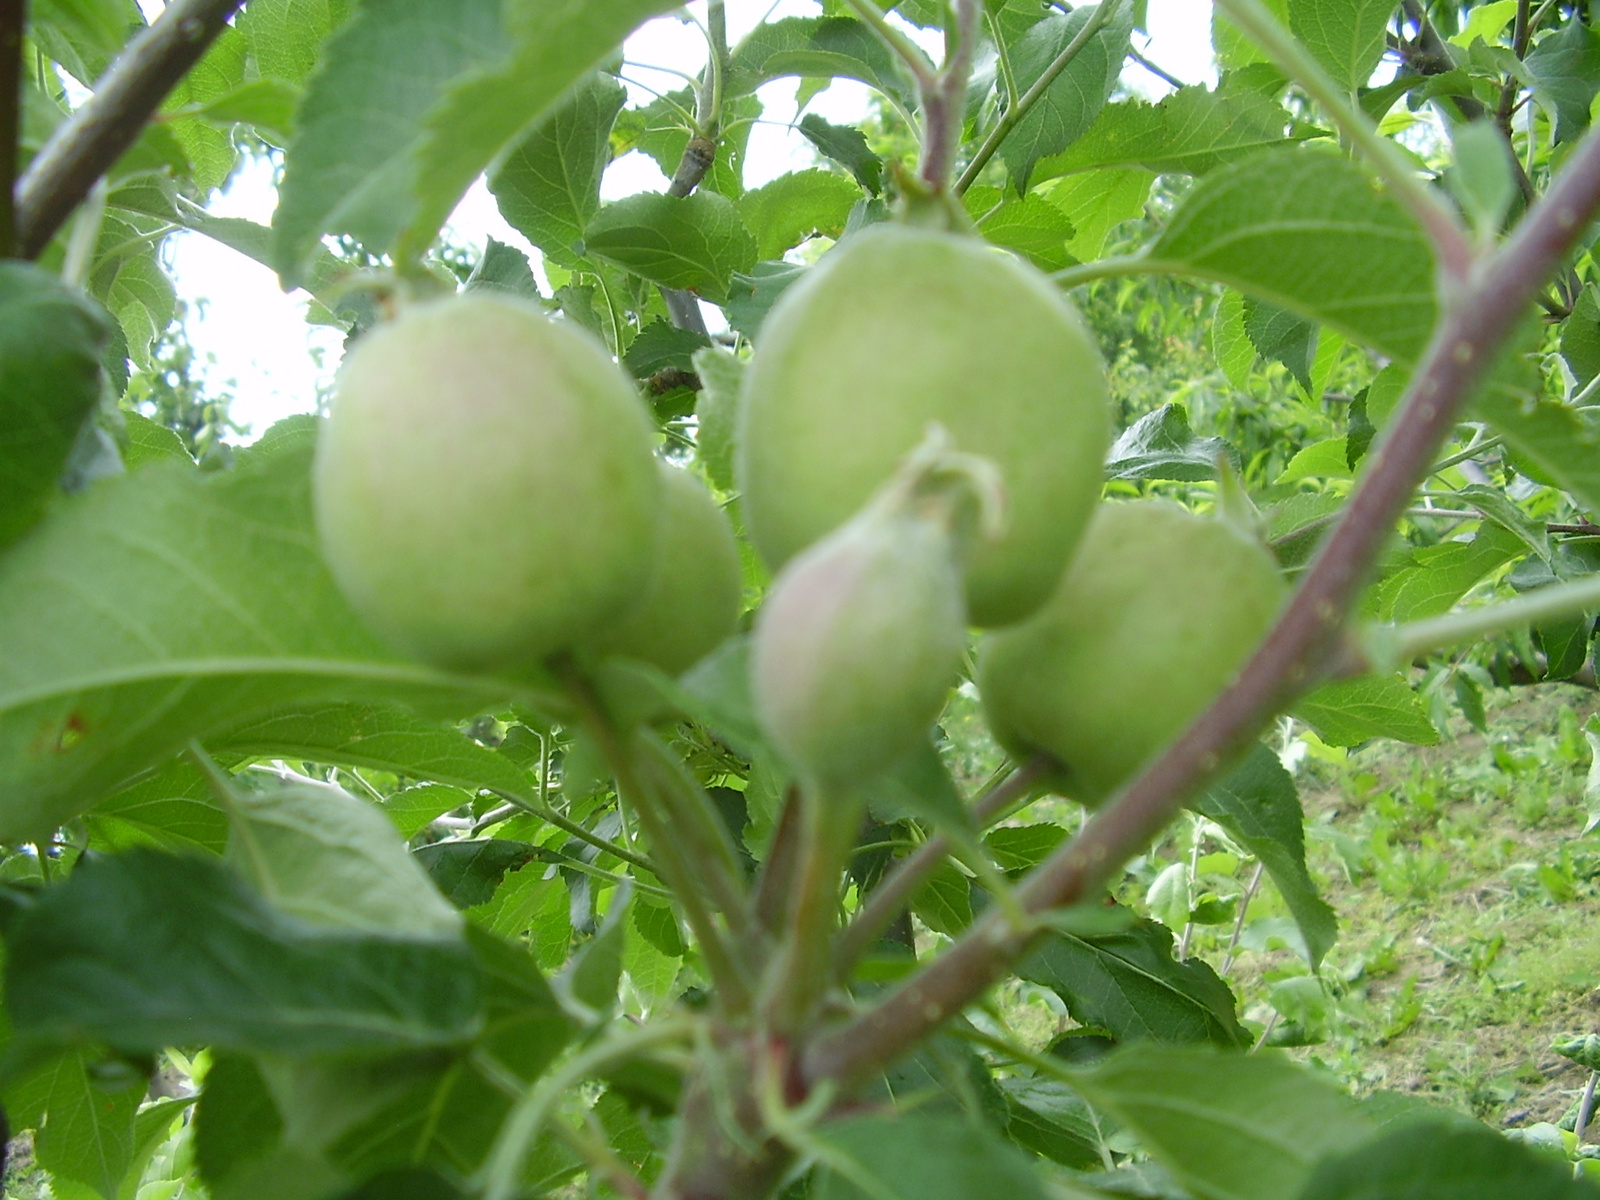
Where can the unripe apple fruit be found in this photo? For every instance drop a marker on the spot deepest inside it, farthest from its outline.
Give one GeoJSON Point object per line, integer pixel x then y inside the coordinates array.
{"type": "Point", "coordinates": [899, 327]}
{"type": "Point", "coordinates": [859, 641]}
{"type": "Point", "coordinates": [486, 489]}
{"type": "Point", "coordinates": [690, 602]}
{"type": "Point", "coordinates": [1156, 615]}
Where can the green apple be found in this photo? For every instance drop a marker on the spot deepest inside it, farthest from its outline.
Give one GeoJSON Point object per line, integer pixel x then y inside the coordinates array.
{"type": "Point", "coordinates": [897, 328]}
{"type": "Point", "coordinates": [485, 486]}
{"type": "Point", "coordinates": [691, 600]}
{"type": "Point", "coordinates": [1156, 615]}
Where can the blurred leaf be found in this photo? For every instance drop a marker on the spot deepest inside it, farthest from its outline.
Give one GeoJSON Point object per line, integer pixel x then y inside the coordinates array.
{"type": "Point", "coordinates": [1191, 132]}
{"type": "Point", "coordinates": [752, 294]}
{"type": "Point", "coordinates": [944, 900]}
{"type": "Point", "coordinates": [1160, 445]}
{"type": "Point", "coordinates": [717, 408]}
{"type": "Point", "coordinates": [794, 207]}
{"type": "Point", "coordinates": [144, 950]}
{"type": "Point", "coordinates": [1259, 807]}
{"type": "Point", "coordinates": [316, 852]}
{"type": "Point", "coordinates": [1228, 1126]}
{"type": "Point", "coordinates": [1128, 984]}
{"type": "Point", "coordinates": [223, 610]}
{"type": "Point", "coordinates": [696, 242]}
{"type": "Point", "coordinates": [1483, 177]}
{"type": "Point", "coordinates": [235, 1121]}
{"type": "Point", "coordinates": [845, 145]}
{"type": "Point", "coordinates": [1424, 1161]}
{"type": "Point", "coordinates": [1071, 103]}
{"type": "Point", "coordinates": [919, 1156]}
{"type": "Point", "coordinates": [1348, 712]}
{"type": "Point", "coordinates": [1305, 229]}
{"type": "Point", "coordinates": [548, 186]}
{"type": "Point", "coordinates": [50, 342]}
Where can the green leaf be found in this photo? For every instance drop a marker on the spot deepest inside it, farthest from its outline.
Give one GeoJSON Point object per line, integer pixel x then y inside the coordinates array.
{"type": "Point", "coordinates": [752, 294]}
{"type": "Point", "coordinates": [1129, 985]}
{"type": "Point", "coordinates": [1305, 229]}
{"type": "Point", "coordinates": [223, 610]}
{"type": "Point", "coordinates": [919, 1156]}
{"type": "Point", "coordinates": [375, 737]}
{"type": "Point", "coordinates": [353, 163]}
{"type": "Point", "coordinates": [661, 345]}
{"type": "Point", "coordinates": [1555, 438]}
{"type": "Point", "coordinates": [818, 47]}
{"type": "Point", "coordinates": [1160, 445]}
{"type": "Point", "coordinates": [51, 338]}
{"type": "Point", "coordinates": [1234, 50]}
{"type": "Point", "coordinates": [1228, 1126]}
{"type": "Point", "coordinates": [317, 853]}
{"type": "Point", "coordinates": [468, 872]}
{"type": "Point", "coordinates": [1192, 131]}
{"type": "Point", "coordinates": [548, 186]}
{"type": "Point", "coordinates": [172, 810]}
{"type": "Point", "coordinates": [944, 900]}
{"type": "Point", "coordinates": [1580, 338]}
{"type": "Point", "coordinates": [1096, 202]}
{"type": "Point", "coordinates": [1565, 66]}
{"type": "Point", "coordinates": [1283, 337]}
{"type": "Point", "coordinates": [847, 146]}
{"type": "Point", "coordinates": [721, 376]}
{"type": "Point", "coordinates": [1072, 102]}
{"type": "Point", "coordinates": [1439, 575]}
{"type": "Point", "coordinates": [1031, 225]}
{"type": "Point", "coordinates": [1348, 712]}
{"type": "Point", "coordinates": [1430, 1161]}
{"type": "Point", "coordinates": [695, 242]}
{"type": "Point", "coordinates": [1259, 807]}
{"type": "Point", "coordinates": [83, 35]}
{"type": "Point", "coordinates": [1051, 1119]}
{"type": "Point", "coordinates": [503, 268]}
{"type": "Point", "coordinates": [794, 207]}
{"type": "Point", "coordinates": [235, 1121]}
{"type": "Point", "coordinates": [1483, 178]}
{"type": "Point", "coordinates": [88, 1135]}
{"type": "Point", "coordinates": [135, 290]}
{"type": "Point", "coordinates": [1019, 848]}
{"type": "Point", "coordinates": [596, 969]}
{"type": "Point", "coordinates": [1345, 36]}
{"type": "Point", "coordinates": [283, 37]}
{"type": "Point", "coordinates": [144, 950]}
{"type": "Point", "coordinates": [548, 47]}
{"type": "Point", "coordinates": [414, 99]}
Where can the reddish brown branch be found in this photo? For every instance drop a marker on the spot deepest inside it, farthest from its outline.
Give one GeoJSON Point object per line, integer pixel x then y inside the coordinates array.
{"type": "Point", "coordinates": [84, 148]}
{"type": "Point", "coordinates": [1305, 640]}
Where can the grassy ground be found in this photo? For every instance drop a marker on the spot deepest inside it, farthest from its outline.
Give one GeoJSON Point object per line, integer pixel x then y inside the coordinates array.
{"type": "Point", "coordinates": [1467, 896]}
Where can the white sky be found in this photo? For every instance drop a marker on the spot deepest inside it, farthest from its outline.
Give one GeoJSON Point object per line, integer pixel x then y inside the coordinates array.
{"type": "Point", "coordinates": [273, 362]}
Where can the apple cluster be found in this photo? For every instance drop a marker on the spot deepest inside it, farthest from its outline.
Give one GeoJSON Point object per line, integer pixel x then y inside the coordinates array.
{"type": "Point", "coordinates": [919, 452]}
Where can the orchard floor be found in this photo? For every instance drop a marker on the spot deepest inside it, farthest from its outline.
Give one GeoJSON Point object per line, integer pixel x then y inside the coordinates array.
{"type": "Point", "coordinates": [1468, 898]}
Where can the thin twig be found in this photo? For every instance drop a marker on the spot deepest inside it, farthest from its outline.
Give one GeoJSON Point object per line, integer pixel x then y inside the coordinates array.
{"type": "Point", "coordinates": [1165, 77]}
{"type": "Point", "coordinates": [85, 146]}
{"type": "Point", "coordinates": [1307, 639]}
{"type": "Point", "coordinates": [1013, 115]}
{"type": "Point", "coordinates": [13, 18]}
{"type": "Point", "coordinates": [1238, 922]}
{"type": "Point", "coordinates": [1585, 1108]}
{"type": "Point", "coordinates": [886, 901]}
{"type": "Point", "coordinates": [1450, 241]}
{"type": "Point", "coordinates": [944, 102]}
{"type": "Point", "coordinates": [545, 813]}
